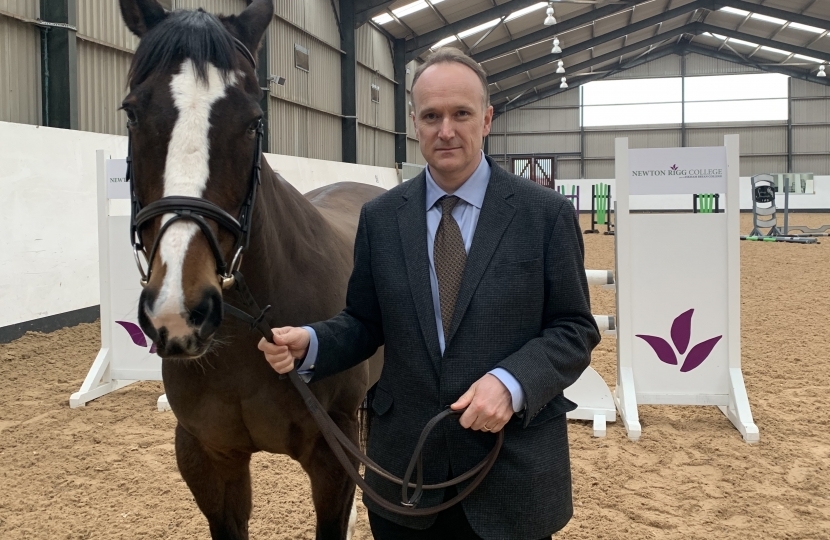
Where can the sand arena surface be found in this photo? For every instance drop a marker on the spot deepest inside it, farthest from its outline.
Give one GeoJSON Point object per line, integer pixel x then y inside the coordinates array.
{"type": "Point", "coordinates": [108, 471]}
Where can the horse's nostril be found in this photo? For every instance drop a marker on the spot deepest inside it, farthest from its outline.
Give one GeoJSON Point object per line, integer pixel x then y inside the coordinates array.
{"type": "Point", "coordinates": [207, 315]}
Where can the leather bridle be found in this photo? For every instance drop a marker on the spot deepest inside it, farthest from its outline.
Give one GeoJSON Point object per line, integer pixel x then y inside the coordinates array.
{"type": "Point", "coordinates": [198, 211]}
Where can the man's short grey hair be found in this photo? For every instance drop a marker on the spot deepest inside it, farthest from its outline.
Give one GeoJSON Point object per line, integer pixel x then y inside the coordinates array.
{"type": "Point", "coordinates": [446, 55]}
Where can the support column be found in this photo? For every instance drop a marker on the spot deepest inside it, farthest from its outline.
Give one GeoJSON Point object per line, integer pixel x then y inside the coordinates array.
{"type": "Point", "coordinates": [683, 138]}
{"type": "Point", "coordinates": [59, 63]}
{"type": "Point", "coordinates": [790, 125]}
{"type": "Point", "coordinates": [263, 73]}
{"type": "Point", "coordinates": [400, 101]}
{"type": "Point", "coordinates": [581, 133]}
{"type": "Point", "coordinates": [348, 77]}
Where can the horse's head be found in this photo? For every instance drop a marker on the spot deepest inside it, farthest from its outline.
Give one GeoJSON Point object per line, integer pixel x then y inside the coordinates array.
{"type": "Point", "coordinates": [194, 119]}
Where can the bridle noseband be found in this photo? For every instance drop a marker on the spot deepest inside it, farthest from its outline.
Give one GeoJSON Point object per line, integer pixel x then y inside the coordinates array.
{"type": "Point", "coordinates": [198, 211]}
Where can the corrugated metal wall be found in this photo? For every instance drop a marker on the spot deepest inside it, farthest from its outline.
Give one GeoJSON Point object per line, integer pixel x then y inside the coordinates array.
{"type": "Point", "coordinates": [101, 21]}
{"type": "Point", "coordinates": [305, 118]}
{"type": "Point", "coordinates": [376, 120]}
{"type": "Point", "coordinates": [551, 126]}
{"type": "Point", "coordinates": [413, 149]}
{"type": "Point", "coordinates": [105, 47]}
{"type": "Point", "coordinates": [20, 92]}
{"type": "Point", "coordinates": [102, 86]}
{"type": "Point", "coordinates": [305, 112]}
{"type": "Point", "coordinates": [219, 7]}
{"type": "Point", "coordinates": [811, 127]}
{"type": "Point", "coordinates": [22, 8]}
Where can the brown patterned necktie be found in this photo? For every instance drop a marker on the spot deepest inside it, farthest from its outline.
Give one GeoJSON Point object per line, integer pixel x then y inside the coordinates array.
{"type": "Point", "coordinates": [450, 257]}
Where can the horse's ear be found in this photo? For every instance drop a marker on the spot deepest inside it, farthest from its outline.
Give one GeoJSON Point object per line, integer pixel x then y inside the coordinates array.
{"type": "Point", "coordinates": [141, 15]}
{"type": "Point", "coordinates": [250, 25]}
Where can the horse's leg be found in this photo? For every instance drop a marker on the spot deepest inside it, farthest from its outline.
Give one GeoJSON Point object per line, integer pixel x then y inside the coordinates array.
{"type": "Point", "coordinates": [221, 485]}
{"type": "Point", "coordinates": [332, 491]}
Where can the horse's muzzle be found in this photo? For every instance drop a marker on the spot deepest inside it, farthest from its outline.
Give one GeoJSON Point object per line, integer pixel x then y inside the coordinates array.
{"type": "Point", "coordinates": [182, 335]}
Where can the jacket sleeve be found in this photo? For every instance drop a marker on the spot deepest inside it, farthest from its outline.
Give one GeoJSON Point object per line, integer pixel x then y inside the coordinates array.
{"type": "Point", "coordinates": [554, 360]}
{"type": "Point", "coordinates": [355, 333]}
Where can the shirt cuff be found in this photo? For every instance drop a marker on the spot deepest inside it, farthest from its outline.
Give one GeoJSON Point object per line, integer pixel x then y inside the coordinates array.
{"type": "Point", "coordinates": [510, 382]}
{"type": "Point", "coordinates": [306, 369]}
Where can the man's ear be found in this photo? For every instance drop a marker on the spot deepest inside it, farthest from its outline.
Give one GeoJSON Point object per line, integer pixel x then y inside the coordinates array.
{"type": "Point", "coordinates": [488, 119]}
{"type": "Point", "coordinates": [141, 16]}
{"type": "Point", "coordinates": [250, 25]}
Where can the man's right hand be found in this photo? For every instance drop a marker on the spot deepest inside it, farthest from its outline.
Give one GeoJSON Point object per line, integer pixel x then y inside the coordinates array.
{"type": "Point", "coordinates": [290, 344]}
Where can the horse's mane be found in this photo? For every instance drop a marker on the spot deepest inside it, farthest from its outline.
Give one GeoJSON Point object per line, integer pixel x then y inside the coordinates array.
{"type": "Point", "coordinates": [195, 35]}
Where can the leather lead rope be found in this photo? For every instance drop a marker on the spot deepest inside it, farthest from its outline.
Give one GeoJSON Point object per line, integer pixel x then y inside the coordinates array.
{"type": "Point", "coordinates": [340, 443]}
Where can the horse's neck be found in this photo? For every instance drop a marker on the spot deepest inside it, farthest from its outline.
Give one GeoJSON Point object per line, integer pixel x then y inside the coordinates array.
{"type": "Point", "coordinates": [284, 221]}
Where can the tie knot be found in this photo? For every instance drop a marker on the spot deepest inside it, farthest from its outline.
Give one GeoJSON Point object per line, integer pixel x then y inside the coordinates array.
{"type": "Point", "coordinates": [448, 202]}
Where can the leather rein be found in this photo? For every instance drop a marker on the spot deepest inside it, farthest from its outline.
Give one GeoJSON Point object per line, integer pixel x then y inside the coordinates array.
{"type": "Point", "coordinates": [198, 211]}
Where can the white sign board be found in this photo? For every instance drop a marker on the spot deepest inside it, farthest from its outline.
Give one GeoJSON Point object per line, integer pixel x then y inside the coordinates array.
{"type": "Point", "coordinates": [678, 286]}
{"type": "Point", "coordinates": [117, 186]}
{"type": "Point", "coordinates": [677, 171]}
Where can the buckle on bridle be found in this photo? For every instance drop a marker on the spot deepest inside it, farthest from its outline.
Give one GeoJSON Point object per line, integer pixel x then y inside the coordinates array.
{"type": "Point", "coordinates": [145, 279]}
{"type": "Point", "coordinates": [227, 281]}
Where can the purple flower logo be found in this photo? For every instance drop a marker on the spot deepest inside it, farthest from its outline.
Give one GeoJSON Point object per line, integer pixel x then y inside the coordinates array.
{"type": "Point", "coordinates": [681, 333]}
{"type": "Point", "coordinates": [137, 335]}
{"type": "Point", "coordinates": [674, 167]}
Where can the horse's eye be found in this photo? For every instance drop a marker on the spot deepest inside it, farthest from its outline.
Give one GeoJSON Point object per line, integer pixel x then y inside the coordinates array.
{"type": "Point", "coordinates": [254, 125]}
{"type": "Point", "coordinates": [131, 118]}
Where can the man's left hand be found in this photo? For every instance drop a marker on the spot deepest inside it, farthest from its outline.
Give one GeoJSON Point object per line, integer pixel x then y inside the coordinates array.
{"type": "Point", "coordinates": [489, 405]}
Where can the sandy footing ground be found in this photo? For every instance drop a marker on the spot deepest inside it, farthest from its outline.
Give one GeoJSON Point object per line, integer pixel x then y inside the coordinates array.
{"type": "Point", "coordinates": [107, 471]}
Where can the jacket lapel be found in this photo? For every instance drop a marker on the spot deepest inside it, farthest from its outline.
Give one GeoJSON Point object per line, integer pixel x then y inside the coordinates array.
{"type": "Point", "coordinates": [412, 224]}
{"type": "Point", "coordinates": [496, 214]}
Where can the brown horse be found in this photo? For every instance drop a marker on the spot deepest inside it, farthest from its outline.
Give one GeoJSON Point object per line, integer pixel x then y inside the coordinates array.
{"type": "Point", "coordinates": [195, 120]}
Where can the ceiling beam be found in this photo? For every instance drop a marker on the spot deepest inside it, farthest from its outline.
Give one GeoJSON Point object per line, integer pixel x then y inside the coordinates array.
{"type": "Point", "coordinates": [583, 18]}
{"type": "Point", "coordinates": [712, 29]}
{"type": "Point", "coordinates": [419, 44]}
{"type": "Point", "coordinates": [573, 70]}
{"type": "Point", "coordinates": [693, 28]}
{"type": "Point", "coordinates": [777, 13]}
{"type": "Point", "coordinates": [803, 74]}
{"type": "Point", "coordinates": [575, 48]}
{"type": "Point", "coordinates": [552, 91]}
{"type": "Point", "coordinates": [366, 9]}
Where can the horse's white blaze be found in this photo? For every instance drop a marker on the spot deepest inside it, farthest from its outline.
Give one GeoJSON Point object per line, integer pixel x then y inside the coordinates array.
{"type": "Point", "coordinates": [186, 173]}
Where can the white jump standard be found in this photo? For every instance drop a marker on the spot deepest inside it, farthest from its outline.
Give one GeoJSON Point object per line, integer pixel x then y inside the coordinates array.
{"type": "Point", "coordinates": [678, 313]}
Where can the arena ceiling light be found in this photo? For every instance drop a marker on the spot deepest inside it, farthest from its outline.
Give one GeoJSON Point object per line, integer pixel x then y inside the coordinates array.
{"type": "Point", "coordinates": [550, 19]}
{"type": "Point", "coordinates": [556, 48]}
{"type": "Point", "coordinates": [564, 82]}
{"type": "Point", "coordinates": [561, 68]}
{"type": "Point", "coordinates": [821, 72]}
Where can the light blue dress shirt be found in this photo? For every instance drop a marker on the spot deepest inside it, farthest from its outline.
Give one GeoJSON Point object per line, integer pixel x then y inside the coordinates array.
{"type": "Point", "coordinates": [466, 213]}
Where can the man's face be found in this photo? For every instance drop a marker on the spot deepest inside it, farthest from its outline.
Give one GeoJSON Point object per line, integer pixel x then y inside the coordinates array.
{"type": "Point", "coordinates": [450, 118]}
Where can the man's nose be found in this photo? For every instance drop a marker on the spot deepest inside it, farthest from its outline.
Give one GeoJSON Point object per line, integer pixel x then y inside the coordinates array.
{"type": "Point", "coordinates": [447, 129]}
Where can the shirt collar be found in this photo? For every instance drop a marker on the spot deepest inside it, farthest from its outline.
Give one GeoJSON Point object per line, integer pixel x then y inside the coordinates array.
{"type": "Point", "coordinates": [472, 191]}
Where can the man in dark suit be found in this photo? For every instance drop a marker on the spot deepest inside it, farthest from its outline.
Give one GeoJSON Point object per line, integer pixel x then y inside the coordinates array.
{"type": "Point", "coordinates": [473, 279]}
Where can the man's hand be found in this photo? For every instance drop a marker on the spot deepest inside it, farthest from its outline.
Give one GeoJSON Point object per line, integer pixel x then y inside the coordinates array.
{"type": "Point", "coordinates": [290, 344]}
{"type": "Point", "coordinates": [489, 405]}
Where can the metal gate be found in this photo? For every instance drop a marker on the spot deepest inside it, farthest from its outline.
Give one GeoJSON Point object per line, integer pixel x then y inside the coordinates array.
{"type": "Point", "coordinates": [535, 169]}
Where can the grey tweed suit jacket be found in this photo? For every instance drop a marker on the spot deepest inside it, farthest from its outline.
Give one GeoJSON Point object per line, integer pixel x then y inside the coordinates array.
{"type": "Point", "coordinates": [523, 306]}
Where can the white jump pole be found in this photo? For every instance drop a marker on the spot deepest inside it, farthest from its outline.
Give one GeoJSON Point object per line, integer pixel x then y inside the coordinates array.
{"type": "Point", "coordinates": [600, 277]}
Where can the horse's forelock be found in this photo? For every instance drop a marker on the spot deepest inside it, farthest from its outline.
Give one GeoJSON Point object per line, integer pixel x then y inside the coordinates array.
{"type": "Point", "coordinates": [195, 35]}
